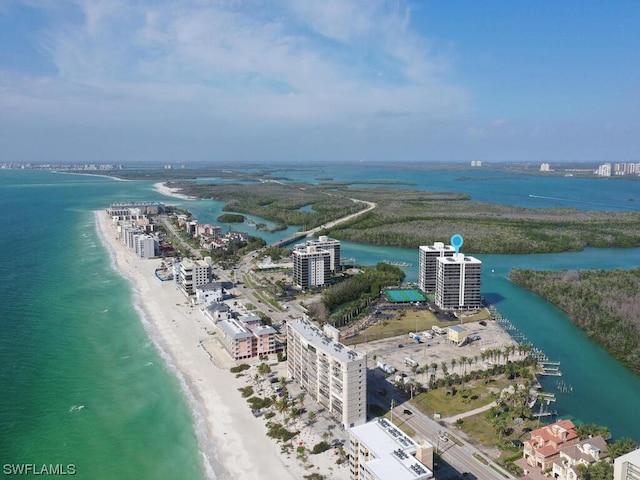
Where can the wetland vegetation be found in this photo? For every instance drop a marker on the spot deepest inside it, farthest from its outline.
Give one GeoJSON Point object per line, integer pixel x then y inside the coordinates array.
{"type": "Point", "coordinates": [409, 218]}
{"type": "Point", "coordinates": [603, 303]}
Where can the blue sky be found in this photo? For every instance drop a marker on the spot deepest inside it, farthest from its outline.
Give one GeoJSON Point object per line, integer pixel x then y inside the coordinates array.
{"type": "Point", "coordinates": [179, 81]}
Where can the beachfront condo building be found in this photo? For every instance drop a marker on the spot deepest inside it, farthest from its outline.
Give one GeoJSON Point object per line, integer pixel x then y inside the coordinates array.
{"type": "Point", "coordinates": [378, 450]}
{"type": "Point", "coordinates": [458, 282]}
{"type": "Point", "coordinates": [192, 274]}
{"type": "Point", "coordinates": [244, 341]}
{"type": "Point", "coordinates": [330, 373]}
{"type": "Point", "coordinates": [134, 210]}
{"type": "Point", "coordinates": [428, 264]}
{"type": "Point", "coordinates": [311, 267]}
{"type": "Point", "coordinates": [332, 246]}
{"type": "Point", "coordinates": [145, 246]}
{"type": "Point", "coordinates": [627, 467]}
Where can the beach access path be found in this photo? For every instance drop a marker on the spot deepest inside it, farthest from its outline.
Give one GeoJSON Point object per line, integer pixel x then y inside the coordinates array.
{"type": "Point", "coordinates": [232, 440]}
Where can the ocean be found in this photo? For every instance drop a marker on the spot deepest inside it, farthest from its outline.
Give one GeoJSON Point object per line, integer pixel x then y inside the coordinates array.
{"type": "Point", "coordinates": [83, 383]}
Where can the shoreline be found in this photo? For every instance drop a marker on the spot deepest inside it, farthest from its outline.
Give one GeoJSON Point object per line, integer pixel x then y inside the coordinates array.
{"type": "Point", "coordinates": [160, 187]}
{"type": "Point", "coordinates": [232, 442]}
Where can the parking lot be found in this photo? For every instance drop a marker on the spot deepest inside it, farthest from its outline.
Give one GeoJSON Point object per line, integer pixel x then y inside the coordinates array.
{"type": "Point", "coordinates": [438, 349]}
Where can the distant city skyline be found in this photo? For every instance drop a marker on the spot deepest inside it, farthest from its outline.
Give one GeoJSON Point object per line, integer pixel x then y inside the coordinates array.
{"type": "Point", "coordinates": [181, 82]}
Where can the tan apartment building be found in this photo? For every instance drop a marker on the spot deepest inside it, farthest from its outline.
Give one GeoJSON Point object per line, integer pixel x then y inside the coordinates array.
{"type": "Point", "coordinates": [192, 274]}
{"type": "Point", "coordinates": [330, 373]}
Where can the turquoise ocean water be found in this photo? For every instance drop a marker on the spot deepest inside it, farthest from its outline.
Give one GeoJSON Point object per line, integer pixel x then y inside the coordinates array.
{"type": "Point", "coordinates": [83, 384]}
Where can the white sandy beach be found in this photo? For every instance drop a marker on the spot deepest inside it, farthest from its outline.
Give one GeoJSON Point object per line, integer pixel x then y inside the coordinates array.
{"type": "Point", "coordinates": [171, 192]}
{"type": "Point", "coordinates": [238, 439]}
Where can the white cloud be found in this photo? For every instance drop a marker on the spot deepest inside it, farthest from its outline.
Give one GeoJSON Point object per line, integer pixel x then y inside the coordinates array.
{"type": "Point", "coordinates": [224, 64]}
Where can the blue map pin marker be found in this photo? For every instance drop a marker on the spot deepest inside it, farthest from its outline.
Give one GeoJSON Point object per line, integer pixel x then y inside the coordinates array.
{"type": "Point", "coordinates": [456, 242]}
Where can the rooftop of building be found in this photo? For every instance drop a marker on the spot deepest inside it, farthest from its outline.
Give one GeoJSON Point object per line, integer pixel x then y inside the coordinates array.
{"type": "Point", "coordinates": [393, 451]}
{"type": "Point", "coordinates": [457, 328]}
{"type": "Point", "coordinates": [189, 263]}
{"type": "Point", "coordinates": [588, 450]}
{"type": "Point", "coordinates": [323, 342]}
{"type": "Point", "coordinates": [234, 329]}
{"type": "Point", "coordinates": [437, 247]}
{"type": "Point", "coordinates": [310, 250]}
{"type": "Point", "coordinates": [210, 286]}
{"type": "Point", "coordinates": [218, 307]}
{"type": "Point", "coordinates": [459, 258]}
{"type": "Point", "coordinates": [263, 330]}
{"type": "Point", "coordinates": [560, 432]}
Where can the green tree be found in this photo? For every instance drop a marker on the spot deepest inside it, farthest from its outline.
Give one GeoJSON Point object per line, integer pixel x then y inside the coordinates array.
{"type": "Point", "coordinates": [601, 470]}
{"type": "Point", "coordinates": [620, 447]}
{"type": "Point", "coordinates": [264, 369]}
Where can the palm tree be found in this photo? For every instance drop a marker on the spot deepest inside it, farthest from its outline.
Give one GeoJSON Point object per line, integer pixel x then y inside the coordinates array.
{"type": "Point", "coordinates": [463, 364]}
{"type": "Point", "coordinates": [282, 404]}
{"type": "Point", "coordinates": [453, 364]}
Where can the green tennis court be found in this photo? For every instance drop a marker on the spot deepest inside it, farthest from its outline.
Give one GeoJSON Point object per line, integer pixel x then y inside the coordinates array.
{"type": "Point", "coordinates": [404, 295]}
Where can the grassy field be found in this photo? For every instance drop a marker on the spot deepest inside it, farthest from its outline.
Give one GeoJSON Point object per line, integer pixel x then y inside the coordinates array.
{"type": "Point", "coordinates": [409, 320]}
{"type": "Point", "coordinates": [483, 433]}
{"type": "Point", "coordinates": [477, 394]}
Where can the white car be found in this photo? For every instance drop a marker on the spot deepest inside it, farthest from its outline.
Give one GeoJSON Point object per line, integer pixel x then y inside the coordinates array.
{"type": "Point", "coordinates": [443, 438]}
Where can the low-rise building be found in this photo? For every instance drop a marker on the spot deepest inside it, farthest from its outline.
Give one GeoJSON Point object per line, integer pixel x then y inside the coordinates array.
{"type": "Point", "coordinates": [209, 292]}
{"type": "Point", "coordinates": [544, 444]}
{"type": "Point", "coordinates": [378, 450]}
{"type": "Point", "coordinates": [457, 334]}
{"type": "Point", "coordinates": [216, 311]}
{"type": "Point", "coordinates": [585, 453]}
{"type": "Point", "coordinates": [246, 340]}
{"type": "Point", "coordinates": [236, 339]}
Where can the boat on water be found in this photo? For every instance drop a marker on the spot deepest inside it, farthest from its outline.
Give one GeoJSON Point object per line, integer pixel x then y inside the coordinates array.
{"type": "Point", "coordinates": [397, 264]}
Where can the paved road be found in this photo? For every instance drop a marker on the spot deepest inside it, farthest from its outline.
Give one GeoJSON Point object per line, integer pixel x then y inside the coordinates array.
{"type": "Point", "coordinates": [460, 458]}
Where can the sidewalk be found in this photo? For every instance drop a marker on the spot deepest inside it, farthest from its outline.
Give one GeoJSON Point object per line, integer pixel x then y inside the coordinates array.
{"type": "Point", "coordinates": [469, 413]}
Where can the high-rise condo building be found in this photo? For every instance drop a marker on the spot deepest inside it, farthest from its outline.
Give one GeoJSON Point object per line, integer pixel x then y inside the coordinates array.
{"type": "Point", "coordinates": [332, 246]}
{"type": "Point", "coordinates": [192, 274]}
{"type": "Point", "coordinates": [311, 267]}
{"type": "Point", "coordinates": [427, 264]}
{"type": "Point", "coordinates": [458, 282]}
{"type": "Point", "coordinates": [627, 467]}
{"type": "Point", "coordinates": [330, 373]}
{"type": "Point", "coordinates": [378, 450]}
